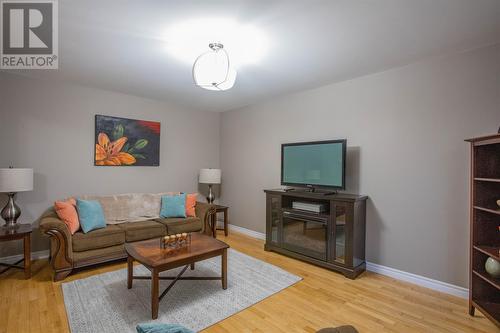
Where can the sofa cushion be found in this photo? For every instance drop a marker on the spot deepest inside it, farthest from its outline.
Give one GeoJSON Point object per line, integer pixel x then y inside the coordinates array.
{"type": "Point", "coordinates": [96, 256]}
{"type": "Point", "coordinates": [90, 214]}
{"type": "Point", "coordinates": [191, 204]}
{"type": "Point", "coordinates": [177, 225]}
{"type": "Point", "coordinates": [173, 206]}
{"type": "Point", "coordinates": [136, 231]}
{"type": "Point", "coordinates": [66, 210]}
{"type": "Point", "coordinates": [98, 239]}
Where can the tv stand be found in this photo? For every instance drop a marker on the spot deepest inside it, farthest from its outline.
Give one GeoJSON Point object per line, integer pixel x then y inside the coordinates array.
{"type": "Point", "coordinates": [333, 238]}
{"type": "Point", "coordinates": [330, 193]}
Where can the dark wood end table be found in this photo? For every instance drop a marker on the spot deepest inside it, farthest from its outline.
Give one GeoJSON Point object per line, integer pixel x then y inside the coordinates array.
{"type": "Point", "coordinates": [153, 257]}
{"type": "Point", "coordinates": [220, 209]}
{"type": "Point", "coordinates": [22, 231]}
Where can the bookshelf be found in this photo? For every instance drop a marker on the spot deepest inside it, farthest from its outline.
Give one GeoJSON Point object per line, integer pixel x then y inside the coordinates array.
{"type": "Point", "coordinates": [484, 290]}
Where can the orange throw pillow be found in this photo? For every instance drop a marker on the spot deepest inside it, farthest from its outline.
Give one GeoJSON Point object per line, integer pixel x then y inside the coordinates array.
{"type": "Point", "coordinates": [66, 210]}
{"type": "Point", "coordinates": [191, 205]}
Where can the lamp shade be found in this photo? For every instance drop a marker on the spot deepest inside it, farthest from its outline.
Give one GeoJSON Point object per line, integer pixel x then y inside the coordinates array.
{"type": "Point", "coordinates": [16, 180]}
{"type": "Point", "coordinates": [209, 176]}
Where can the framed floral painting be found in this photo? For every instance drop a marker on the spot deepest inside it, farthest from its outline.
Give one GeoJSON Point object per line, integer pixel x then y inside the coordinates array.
{"type": "Point", "coordinates": [126, 142]}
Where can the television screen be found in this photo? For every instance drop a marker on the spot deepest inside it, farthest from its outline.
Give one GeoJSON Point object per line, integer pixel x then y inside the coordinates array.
{"type": "Point", "coordinates": [320, 164]}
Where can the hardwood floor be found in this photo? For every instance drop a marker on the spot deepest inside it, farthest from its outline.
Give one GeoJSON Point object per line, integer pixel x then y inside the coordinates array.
{"type": "Point", "coordinates": [371, 303]}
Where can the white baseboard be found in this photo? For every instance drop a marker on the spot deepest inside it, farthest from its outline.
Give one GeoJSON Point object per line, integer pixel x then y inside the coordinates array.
{"type": "Point", "coordinates": [387, 271]}
{"type": "Point", "coordinates": [419, 280]}
{"type": "Point", "coordinates": [44, 254]}
{"type": "Point", "coordinates": [248, 232]}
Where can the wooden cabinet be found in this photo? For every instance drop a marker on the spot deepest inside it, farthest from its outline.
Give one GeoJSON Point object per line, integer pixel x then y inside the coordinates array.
{"type": "Point", "coordinates": [484, 290]}
{"type": "Point", "coordinates": [333, 237]}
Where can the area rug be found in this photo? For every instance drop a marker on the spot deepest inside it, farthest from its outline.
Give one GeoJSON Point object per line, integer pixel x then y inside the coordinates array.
{"type": "Point", "coordinates": [102, 303]}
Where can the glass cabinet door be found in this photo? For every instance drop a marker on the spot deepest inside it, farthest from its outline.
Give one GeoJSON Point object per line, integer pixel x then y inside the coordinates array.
{"type": "Point", "coordinates": [307, 236]}
{"type": "Point", "coordinates": [339, 225]}
{"type": "Point", "coordinates": [274, 219]}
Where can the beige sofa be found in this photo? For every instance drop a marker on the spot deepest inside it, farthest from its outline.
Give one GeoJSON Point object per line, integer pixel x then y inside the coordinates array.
{"type": "Point", "coordinates": [129, 218]}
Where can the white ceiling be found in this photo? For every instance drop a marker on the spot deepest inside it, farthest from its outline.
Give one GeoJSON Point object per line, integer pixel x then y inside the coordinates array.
{"type": "Point", "coordinates": [121, 45]}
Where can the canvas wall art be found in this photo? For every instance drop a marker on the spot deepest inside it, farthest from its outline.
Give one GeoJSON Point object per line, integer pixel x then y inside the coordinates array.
{"type": "Point", "coordinates": [126, 142]}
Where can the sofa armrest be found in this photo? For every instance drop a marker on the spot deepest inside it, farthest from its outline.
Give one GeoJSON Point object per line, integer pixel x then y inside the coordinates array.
{"type": "Point", "coordinates": [61, 250]}
{"type": "Point", "coordinates": [206, 212]}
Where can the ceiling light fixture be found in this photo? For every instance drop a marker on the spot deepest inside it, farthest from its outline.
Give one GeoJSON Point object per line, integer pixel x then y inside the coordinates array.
{"type": "Point", "coordinates": [212, 70]}
{"type": "Point", "coordinates": [246, 44]}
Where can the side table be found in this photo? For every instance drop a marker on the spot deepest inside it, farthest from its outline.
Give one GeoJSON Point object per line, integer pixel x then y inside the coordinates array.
{"type": "Point", "coordinates": [22, 231]}
{"type": "Point", "coordinates": [220, 209]}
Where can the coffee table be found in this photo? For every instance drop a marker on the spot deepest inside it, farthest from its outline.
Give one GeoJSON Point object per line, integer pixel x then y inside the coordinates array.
{"type": "Point", "coordinates": [157, 260]}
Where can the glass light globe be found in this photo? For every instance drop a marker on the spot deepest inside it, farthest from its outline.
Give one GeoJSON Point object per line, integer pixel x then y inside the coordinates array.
{"type": "Point", "coordinates": [212, 70]}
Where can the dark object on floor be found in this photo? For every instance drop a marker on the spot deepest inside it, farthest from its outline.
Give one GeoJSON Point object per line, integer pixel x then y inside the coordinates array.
{"type": "Point", "coordinates": [340, 329]}
{"type": "Point", "coordinates": [162, 328]}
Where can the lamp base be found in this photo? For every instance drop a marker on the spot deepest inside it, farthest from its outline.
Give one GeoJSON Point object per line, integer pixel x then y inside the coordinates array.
{"type": "Point", "coordinates": [10, 227]}
{"type": "Point", "coordinates": [11, 212]}
{"type": "Point", "coordinates": [211, 196]}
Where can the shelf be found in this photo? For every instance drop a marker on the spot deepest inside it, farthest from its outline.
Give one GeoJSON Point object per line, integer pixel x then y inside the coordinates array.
{"type": "Point", "coordinates": [489, 210]}
{"type": "Point", "coordinates": [490, 251]}
{"type": "Point", "coordinates": [483, 275]}
{"type": "Point", "coordinates": [489, 309]}
{"type": "Point", "coordinates": [306, 213]}
{"type": "Point", "coordinates": [493, 180]}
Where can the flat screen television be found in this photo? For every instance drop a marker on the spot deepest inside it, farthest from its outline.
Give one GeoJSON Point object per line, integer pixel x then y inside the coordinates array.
{"type": "Point", "coordinates": [319, 164]}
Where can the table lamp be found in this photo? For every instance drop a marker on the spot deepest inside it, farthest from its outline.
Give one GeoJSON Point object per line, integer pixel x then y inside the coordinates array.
{"type": "Point", "coordinates": [13, 181]}
{"type": "Point", "coordinates": [210, 177]}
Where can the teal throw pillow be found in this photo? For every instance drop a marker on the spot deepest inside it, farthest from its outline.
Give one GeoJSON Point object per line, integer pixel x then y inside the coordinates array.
{"type": "Point", "coordinates": [162, 328]}
{"type": "Point", "coordinates": [90, 214]}
{"type": "Point", "coordinates": [173, 206]}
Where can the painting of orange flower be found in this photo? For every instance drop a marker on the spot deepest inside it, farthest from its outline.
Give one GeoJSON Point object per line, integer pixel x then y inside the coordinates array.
{"type": "Point", "coordinates": [126, 142]}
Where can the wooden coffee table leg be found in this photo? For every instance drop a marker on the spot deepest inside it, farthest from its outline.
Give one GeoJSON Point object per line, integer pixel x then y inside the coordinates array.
{"type": "Point", "coordinates": [154, 294]}
{"type": "Point", "coordinates": [214, 225]}
{"type": "Point", "coordinates": [130, 271]}
{"type": "Point", "coordinates": [27, 256]}
{"type": "Point", "coordinates": [192, 266]}
{"type": "Point", "coordinates": [224, 269]}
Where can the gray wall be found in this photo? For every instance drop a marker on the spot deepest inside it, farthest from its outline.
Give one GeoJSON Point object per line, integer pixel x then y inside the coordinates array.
{"type": "Point", "coordinates": [50, 128]}
{"type": "Point", "coordinates": [405, 129]}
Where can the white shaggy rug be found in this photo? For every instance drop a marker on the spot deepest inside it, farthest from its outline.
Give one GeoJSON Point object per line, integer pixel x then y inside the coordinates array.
{"type": "Point", "coordinates": [102, 303]}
